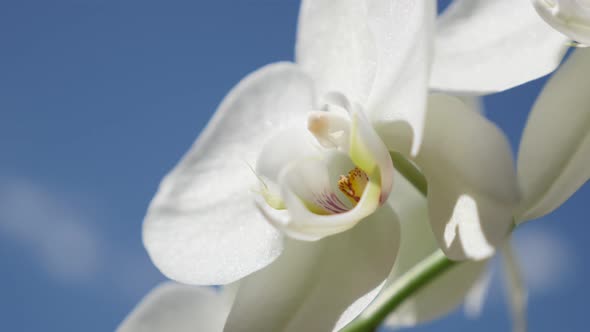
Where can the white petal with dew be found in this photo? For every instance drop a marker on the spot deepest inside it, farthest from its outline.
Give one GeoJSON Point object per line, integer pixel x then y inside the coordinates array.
{"type": "Point", "coordinates": [283, 148]}
{"type": "Point", "coordinates": [403, 33]}
{"type": "Point", "coordinates": [570, 17]}
{"type": "Point", "coordinates": [311, 285]}
{"type": "Point", "coordinates": [202, 227]}
{"type": "Point", "coordinates": [555, 148]}
{"type": "Point", "coordinates": [472, 190]}
{"type": "Point", "coordinates": [487, 46]}
{"type": "Point", "coordinates": [180, 308]}
{"type": "Point", "coordinates": [335, 46]}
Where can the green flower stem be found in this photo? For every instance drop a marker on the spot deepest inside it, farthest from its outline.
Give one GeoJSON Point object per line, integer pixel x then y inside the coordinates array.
{"type": "Point", "coordinates": [404, 287]}
{"type": "Point", "coordinates": [408, 170]}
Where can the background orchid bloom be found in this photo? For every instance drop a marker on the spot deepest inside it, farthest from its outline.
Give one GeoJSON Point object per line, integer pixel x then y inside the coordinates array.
{"type": "Point", "coordinates": [203, 226]}
{"type": "Point", "coordinates": [554, 151]}
{"type": "Point", "coordinates": [570, 17]}
{"type": "Point", "coordinates": [552, 164]}
{"type": "Point", "coordinates": [483, 46]}
{"type": "Point", "coordinates": [472, 186]}
{"type": "Point", "coordinates": [555, 148]}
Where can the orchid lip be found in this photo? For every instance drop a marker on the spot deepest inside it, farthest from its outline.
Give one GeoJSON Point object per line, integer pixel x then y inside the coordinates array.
{"type": "Point", "coordinates": [344, 176]}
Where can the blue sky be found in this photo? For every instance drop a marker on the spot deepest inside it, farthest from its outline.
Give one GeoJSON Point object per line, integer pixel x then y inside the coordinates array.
{"type": "Point", "coordinates": [100, 98]}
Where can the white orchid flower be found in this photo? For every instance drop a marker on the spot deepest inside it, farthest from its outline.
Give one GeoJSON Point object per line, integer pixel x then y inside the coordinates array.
{"type": "Point", "coordinates": [305, 147]}
{"type": "Point", "coordinates": [295, 144]}
{"type": "Point", "coordinates": [484, 46]}
{"type": "Point", "coordinates": [552, 164]}
{"type": "Point", "coordinates": [570, 17]}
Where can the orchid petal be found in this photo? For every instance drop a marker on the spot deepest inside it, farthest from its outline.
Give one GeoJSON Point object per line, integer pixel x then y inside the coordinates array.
{"type": "Point", "coordinates": [570, 17]}
{"type": "Point", "coordinates": [203, 227]}
{"type": "Point", "coordinates": [417, 243]}
{"type": "Point", "coordinates": [402, 31]}
{"type": "Point", "coordinates": [555, 148]}
{"type": "Point", "coordinates": [335, 46]}
{"type": "Point", "coordinates": [472, 191]}
{"type": "Point", "coordinates": [312, 284]}
{"type": "Point", "coordinates": [375, 52]}
{"type": "Point", "coordinates": [180, 308]}
{"type": "Point", "coordinates": [487, 46]}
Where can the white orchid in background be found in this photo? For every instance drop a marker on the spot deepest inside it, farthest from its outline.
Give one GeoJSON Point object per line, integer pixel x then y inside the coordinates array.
{"type": "Point", "coordinates": [481, 47]}
{"type": "Point", "coordinates": [554, 151]}
{"type": "Point", "coordinates": [552, 164]}
{"type": "Point", "coordinates": [555, 148]}
{"type": "Point", "coordinates": [476, 53]}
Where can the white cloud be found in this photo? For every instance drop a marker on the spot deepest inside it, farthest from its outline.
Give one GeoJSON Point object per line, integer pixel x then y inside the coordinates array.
{"type": "Point", "coordinates": [546, 259]}
{"type": "Point", "coordinates": [61, 238]}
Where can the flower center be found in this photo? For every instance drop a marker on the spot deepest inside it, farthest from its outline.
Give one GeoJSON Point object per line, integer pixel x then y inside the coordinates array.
{"type": "Point", "coordinates": [353, 184]}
